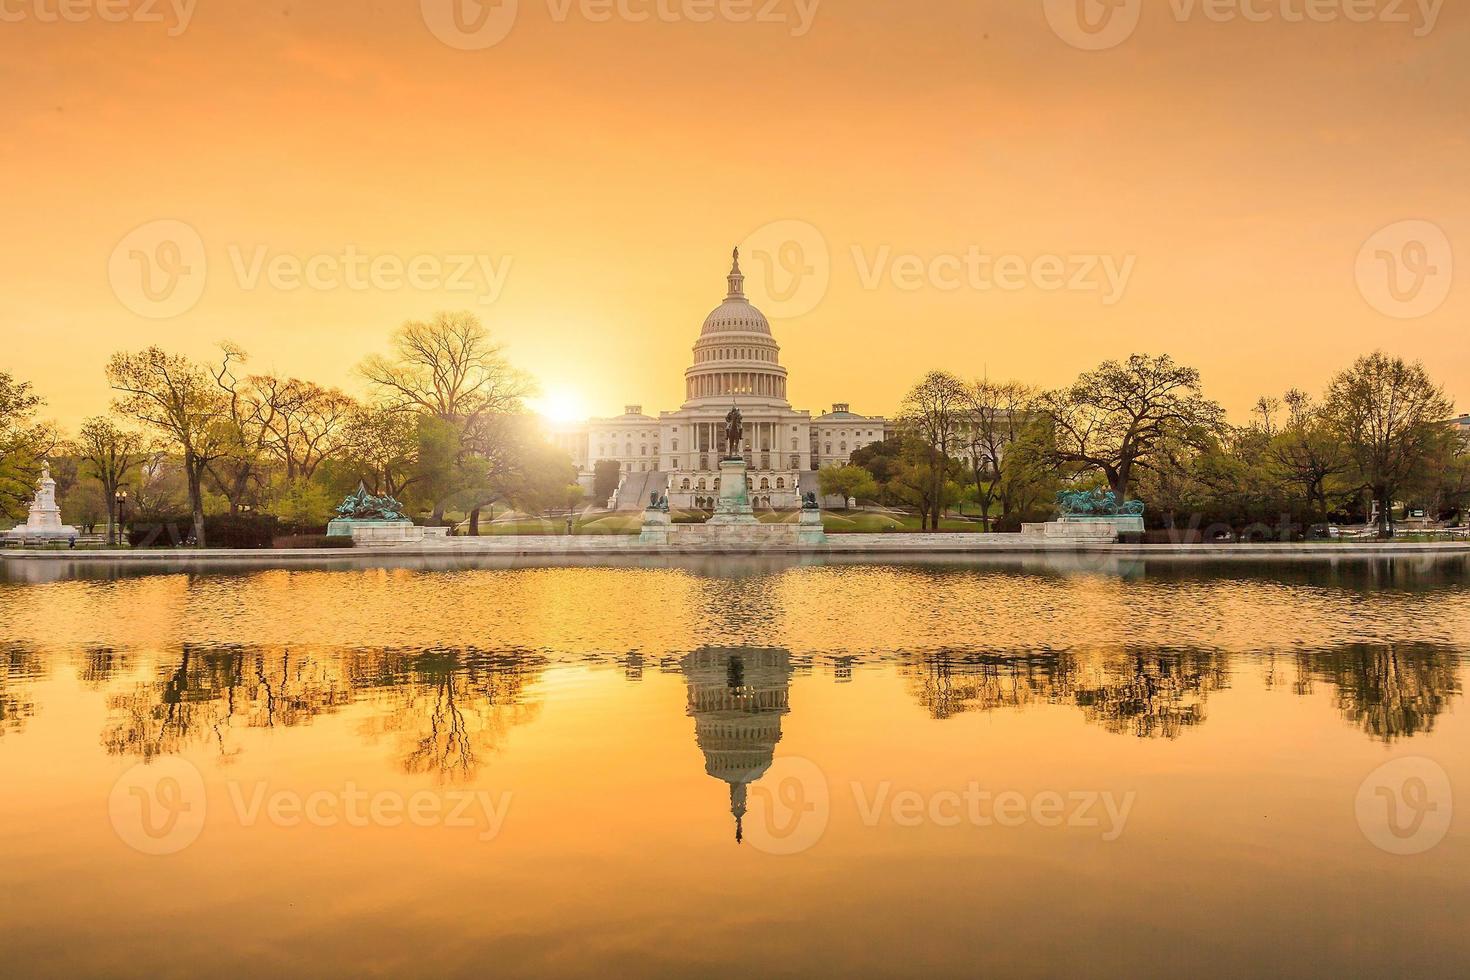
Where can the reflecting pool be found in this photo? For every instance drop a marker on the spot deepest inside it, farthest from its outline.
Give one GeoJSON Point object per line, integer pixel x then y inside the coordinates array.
{"type": "Point", "coordinates": [736, 768]}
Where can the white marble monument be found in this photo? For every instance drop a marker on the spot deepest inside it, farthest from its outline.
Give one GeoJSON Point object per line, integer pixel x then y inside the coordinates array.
{"type": "Point", "coordinates": [43, 524]}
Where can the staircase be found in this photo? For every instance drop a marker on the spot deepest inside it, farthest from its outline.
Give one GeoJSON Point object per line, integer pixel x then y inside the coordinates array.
{"type": "Point", "coordinates": [633, 492]}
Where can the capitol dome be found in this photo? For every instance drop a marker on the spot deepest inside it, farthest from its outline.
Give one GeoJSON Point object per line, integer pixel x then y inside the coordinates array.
{"type": "Point", "coordinates": [735, 314]}
{"type": "Point", "coordinates": [736, 357]}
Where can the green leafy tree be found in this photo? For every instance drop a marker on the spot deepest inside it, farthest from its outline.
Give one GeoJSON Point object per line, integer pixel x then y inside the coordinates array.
{"type": "Point", "coordinates": [847, 482]}
{"type": "Point", "coordinates": [882, 460]}
{"type": "Point", "coordinates": [24, 442]}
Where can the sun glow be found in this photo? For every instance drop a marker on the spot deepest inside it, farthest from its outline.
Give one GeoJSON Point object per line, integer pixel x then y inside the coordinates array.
{"type": "Point", "coordinates": [560, 404]}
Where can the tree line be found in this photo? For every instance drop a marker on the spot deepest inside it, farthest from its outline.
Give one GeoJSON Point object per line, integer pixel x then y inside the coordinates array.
{"type": "Point", "coordinates": [1378, 438]}
{"type": "Point", "coordinates": [444, 427]}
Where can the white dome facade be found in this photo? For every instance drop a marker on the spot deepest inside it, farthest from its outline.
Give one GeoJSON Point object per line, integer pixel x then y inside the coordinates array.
{"type": "Point", "coordinates": [736, 358]}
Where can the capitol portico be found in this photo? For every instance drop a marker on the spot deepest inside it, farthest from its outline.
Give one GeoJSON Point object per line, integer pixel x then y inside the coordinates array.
{"type": "Point", "coordinates": [736, 362]}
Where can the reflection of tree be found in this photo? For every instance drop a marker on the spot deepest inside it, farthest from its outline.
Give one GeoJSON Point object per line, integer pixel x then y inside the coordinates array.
{"type": "Point", "coordinates": [1390, 691]}
{"type": "Point", "coordinates": [19, 666]}
{"type": "Point", "coordinates": [1147, 694]}
{"type": "Point", "coordinates": [1153, 695]}
{"type": "Point", "coordinates": [99, 665]}
{"type": "Point", "coordinates": [949, 684]}
{"type": "Point", "coordinates": [449, 707]}
{"type": "Point", "coordinates": [210, 690]}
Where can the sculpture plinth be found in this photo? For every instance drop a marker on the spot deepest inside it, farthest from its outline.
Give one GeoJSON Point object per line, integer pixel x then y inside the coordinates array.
{"type": "Point", "coordinates": [733, 506]}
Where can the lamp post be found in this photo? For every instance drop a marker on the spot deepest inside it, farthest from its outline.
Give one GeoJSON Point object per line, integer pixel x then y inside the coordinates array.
{"type": "Point", "coordinates": [120, 504]}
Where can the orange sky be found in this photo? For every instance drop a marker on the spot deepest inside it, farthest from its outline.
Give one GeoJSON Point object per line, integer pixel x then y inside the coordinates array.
{"type": "Point", "coordinates": [1235, 169]}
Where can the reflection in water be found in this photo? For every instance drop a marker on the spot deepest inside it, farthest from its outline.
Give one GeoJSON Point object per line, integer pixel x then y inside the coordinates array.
{"type": "Point", "coordinates": [448, 708]}
{"type": "Point", "coordinates": [737, 698]}
{"type": "Point", "coordinates": [1152, 695]}
{"type": "Point", "coordinates": [1249, 705]}
{"type": "Point", "coordinates": [1155, 694]}
{"type": "Point", "coordinates": [19, 668]}
{"type": "Point", "coordinates": [1390, 692]}
{"type": "Point", "coordinates": [206, 692]}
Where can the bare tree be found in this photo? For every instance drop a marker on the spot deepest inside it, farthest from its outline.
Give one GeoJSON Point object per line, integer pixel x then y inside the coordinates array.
{"type": "Point", "coordinates": [932, 411]}
{"type": "Point", "coordinates": [1114, 418]}
{"type": "Point", "coordinates": [1391, 417]}
{"type": "Point", "coordinates": [383, 445]}
{"type": "Point", "coordinates": [179, 399]}
{"type": "Point", "coordinates": [994, 417]}
{"type": "Point", "coordinates": [305, 423]}
{"type": "Point", "coordinates": [250, 418]}
{"type": "Point", "coordinates": [449, 370]}
{"type": "Point", "coordinates": [1306, 450]}
{"type": "Point", "coordinates": [111, 452]}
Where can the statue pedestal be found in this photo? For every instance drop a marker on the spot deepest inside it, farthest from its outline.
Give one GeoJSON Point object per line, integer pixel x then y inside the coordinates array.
{"type": "Point", "coordinates": [733, 507]}
{"type": "Point", "coordinates": [376, 532]}
{"type": "Point", "coordinates": [810, 529]}
{"type": "Point", "coordinates": [656, 525]}
{"type": "Point", "coordinates": [1086, 530]}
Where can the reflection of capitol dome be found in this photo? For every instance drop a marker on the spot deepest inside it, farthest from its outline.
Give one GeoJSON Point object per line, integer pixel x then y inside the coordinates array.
{"type": "Point", "coordinates": [737, 698]}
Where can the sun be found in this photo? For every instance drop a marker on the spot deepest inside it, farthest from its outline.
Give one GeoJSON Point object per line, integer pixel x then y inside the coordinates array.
{"type": "Point", "coordinates": [560, 404]}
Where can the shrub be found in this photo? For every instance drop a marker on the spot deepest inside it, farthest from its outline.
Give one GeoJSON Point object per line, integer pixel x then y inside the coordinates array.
{"type": "Point", "coordinates": [220, 530]}
{"type": "Point", "coordinates": [240, 531]}
{"type": "Point", "coordinates": [159, 530]}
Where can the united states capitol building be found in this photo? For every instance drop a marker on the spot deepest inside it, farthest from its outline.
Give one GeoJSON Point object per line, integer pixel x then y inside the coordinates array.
{"type": "Point", "coordinates": [736, 362]}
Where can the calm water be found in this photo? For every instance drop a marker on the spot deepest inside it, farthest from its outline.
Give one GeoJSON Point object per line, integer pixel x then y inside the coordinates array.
{"type": "Point", "coordinates": [1015, 767]}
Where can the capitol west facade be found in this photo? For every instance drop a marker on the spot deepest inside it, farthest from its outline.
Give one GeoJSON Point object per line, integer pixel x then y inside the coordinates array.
{"type": "Point", "coordinates": [736, 362]}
